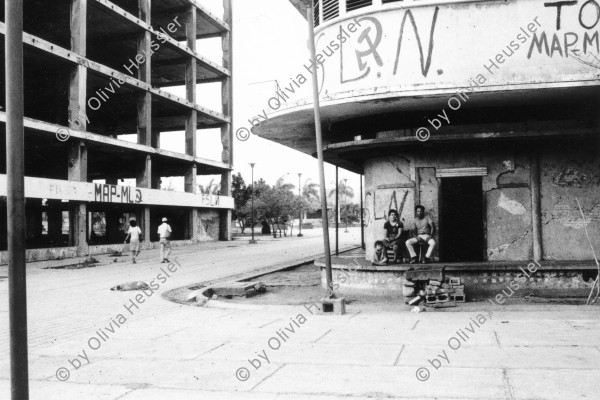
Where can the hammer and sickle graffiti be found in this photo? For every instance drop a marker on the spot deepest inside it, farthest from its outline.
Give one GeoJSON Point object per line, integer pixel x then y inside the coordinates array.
{"type": "Point", "coordinates": [366, 36]}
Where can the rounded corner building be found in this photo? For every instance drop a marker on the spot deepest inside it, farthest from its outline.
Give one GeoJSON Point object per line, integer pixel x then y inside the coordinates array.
{"type": "Point", "coordinates": [484, 112]}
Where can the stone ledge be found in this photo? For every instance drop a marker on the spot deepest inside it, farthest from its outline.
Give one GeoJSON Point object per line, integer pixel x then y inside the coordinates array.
{"type": "Point", "coordinates": [365, 265]}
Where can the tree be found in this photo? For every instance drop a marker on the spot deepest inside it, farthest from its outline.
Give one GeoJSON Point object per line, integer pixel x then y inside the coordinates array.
{"type": "Point", "coordinates": [259, 187]}
{"type": "Point", "coordinates": [345, 194]}
{"type": "Point", "coordinates": [280, 184]}
{"type": "Point", "coordinates": [211, 188]}
{"type": "Point", "coordinates": [350, 212]}
{"type": "Point", "coordinates": [276, 205]}
{"type": "Point", "coordinates": [164, 186]}
{"type": "Point", "coordinates": [312, 196]}
{"type": "Point", "coordinates": [241, 197]}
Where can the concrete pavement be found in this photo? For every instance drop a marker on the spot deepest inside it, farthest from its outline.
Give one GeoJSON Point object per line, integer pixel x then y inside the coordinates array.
{"type": "Point", "coordinates": [154, 349]}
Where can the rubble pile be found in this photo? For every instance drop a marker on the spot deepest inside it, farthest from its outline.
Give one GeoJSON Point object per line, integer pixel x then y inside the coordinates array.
{"type": "Point", "coordinates": [430, 287]}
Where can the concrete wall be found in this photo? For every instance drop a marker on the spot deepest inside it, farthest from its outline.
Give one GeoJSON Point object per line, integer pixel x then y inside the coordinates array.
{"type": "Point", "coordinates": [208, 230]}
{"type": "Point", "coordinates": [568, 171]}
{"type": "Point", "coordinates": [479, 285]}
{"type": "Point", "coordinates": [208, 225]}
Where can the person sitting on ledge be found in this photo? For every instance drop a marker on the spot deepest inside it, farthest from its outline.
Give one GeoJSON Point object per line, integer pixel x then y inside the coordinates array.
{"type": "Point", "coordinates": [423, 230]}
{"type": "Point", "coordinates": [393, 230]}
{"type": "Point", "coordinates": [380, 256]}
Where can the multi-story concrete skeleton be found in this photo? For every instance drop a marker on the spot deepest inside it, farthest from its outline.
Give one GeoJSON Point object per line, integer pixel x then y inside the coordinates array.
{"type": "Point", "coordinates": [95, 71]}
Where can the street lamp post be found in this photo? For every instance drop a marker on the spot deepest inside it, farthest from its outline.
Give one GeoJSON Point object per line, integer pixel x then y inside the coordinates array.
{"type": "Point", "coordinates": [300, 198]}
{"type": "Point", "coordinates": [346, 203]}
{"type": "Point", "coordinates": [252, 241]}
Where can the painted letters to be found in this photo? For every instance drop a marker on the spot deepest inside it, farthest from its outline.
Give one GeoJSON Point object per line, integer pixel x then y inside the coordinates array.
{"type": "Point", "coordinates": [574, 33]}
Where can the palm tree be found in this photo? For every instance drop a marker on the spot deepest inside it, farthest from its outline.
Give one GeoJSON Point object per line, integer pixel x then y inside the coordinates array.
{"type": "Point", "coordinates": [310, 191]}
{"type": "Point", "coordinates": [211, 188]}
{"type": "Point", "coordinates": [170, 187]}
{"type": "Point", "coordinates": [312, 194]}
{"type": "Point", "coordinates": [280, 184]}
{"type": "Point", "coordinates": [344, 191]}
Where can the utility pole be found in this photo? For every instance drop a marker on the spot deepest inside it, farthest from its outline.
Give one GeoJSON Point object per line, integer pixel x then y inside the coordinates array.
{"type": "Point", "coordinates": [319, 137]}
{"type": "Point", "coordinates": [15, 185]}
{"type": "Point", "coordinates": [300, 198]}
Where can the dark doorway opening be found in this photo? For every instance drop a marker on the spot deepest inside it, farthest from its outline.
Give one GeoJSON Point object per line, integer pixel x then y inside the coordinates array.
{"type": "Point", "coordinates": [461, 220]}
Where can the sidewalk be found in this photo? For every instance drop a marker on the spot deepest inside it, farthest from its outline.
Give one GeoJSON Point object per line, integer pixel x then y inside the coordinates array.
{"type": "Point", "coordinates": [110, 349]}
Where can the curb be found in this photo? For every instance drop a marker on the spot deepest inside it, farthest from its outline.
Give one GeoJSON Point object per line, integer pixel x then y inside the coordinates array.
{"type": "Point", "coordinates": [198, 299]}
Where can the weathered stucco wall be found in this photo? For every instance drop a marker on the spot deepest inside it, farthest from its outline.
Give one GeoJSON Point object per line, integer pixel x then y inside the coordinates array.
{"type": "Point", "coordinates": [208, 225]}
{"type": "Point", "coordinates": [508, 205]}
{"type": "Point", "coordinates": [389, 183]}
{"type": "Point", "coordinates": [567, 172]}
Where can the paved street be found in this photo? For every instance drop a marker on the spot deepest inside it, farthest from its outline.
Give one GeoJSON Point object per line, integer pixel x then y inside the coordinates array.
{"type": "Point", "coordinates": [111, 348]}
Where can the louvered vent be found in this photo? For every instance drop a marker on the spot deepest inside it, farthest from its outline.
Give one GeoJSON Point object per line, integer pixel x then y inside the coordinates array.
{"type": "Point", "coordinates": [331, 9]}
{"type": "Point", "coordinates": [390, 1]}
{"type": "Point", "coordinates": [352, 5]}
{"type": "Point", "coordinates": [317, 11]}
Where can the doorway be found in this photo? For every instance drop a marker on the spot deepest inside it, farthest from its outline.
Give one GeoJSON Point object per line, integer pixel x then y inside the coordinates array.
{"type": "Point", "coordinates": [461, 220]}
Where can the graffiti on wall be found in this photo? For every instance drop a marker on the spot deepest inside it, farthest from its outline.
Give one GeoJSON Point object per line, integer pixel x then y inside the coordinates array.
{"type": "Point", "coordinates": [355, 66]}
{"type": "Point", "coordinates": [388, 199]}
{"type": "Point", "coordinates": [577, 21]}
{"type": "Point", "coordinates": [117, 194]}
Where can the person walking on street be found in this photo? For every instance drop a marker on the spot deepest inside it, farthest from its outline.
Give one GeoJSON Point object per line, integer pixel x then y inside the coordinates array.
{"type": "Point", "coordinates": [134, 244]}
{"type": "Point", "coordinates": [164, 232]}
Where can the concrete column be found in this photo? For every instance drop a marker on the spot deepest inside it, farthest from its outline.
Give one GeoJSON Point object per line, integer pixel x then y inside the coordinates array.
{"type": "Point", "coordinates": [191, 122]}
{"type": "Point", "coordinates": [536, 213]}
{"type": "Point", "coordinates": [191, 186]}
{"type": "Point", "coordinates": [77, 211]}
{"type": "Point", "coordinates": [143, 177]}
{"type": "Point", "coordinates": [144, 180]}
{"type": "Point", "coordinates": [191, 78]}
{"type": "Point", "coordinates": [78, 76]}
{"type": "Point", "coordinates": [144, 222]}
{"type": "Point", "coordinates": [227, 129]}
{"type": "Point", "coordinates": [155, 139]}
{"type": "Point", "coordinates": [77, 228]}
{"type": "Point", "coordinates": [77, 164]}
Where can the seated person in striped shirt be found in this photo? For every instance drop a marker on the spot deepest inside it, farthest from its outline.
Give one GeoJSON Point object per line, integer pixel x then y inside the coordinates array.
{"type": "Point", "coordinates": [422, 230]}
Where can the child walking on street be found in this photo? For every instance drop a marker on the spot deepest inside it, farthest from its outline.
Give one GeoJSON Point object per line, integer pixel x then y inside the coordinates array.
{"type": "Point", "coordinates": [134, 244]}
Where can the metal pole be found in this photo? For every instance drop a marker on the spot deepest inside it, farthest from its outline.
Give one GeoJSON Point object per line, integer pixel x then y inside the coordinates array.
{"type": "Point", "coordinates": [300, 197]}
{"type": "Point", "coordinates": [337, 212]}
{"type": "Point", "coordinates": [362, 222]}
{"type": "Point", "coordinates": [252, 241]}
{"type": "Point", "coordinates": [315, 85]}
{"type": "Point", "coordinates": [346, 203]}
{"type": "Point", "coordinates": [15, 168]}
{"type": "Point", "coordinates": [536, 214]}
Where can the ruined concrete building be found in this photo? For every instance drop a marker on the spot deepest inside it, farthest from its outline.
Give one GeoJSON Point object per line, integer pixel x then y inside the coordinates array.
{"type": "Point", "coordinates": [95, 72]}
{"type": "Point", "coordinates": [484, 112]}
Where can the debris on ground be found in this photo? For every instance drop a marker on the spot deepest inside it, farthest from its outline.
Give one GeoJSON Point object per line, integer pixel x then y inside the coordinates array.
{"type": "Point", "coordinates": [430, 286]}
{"type": "Point", "coordinates": [137, 285]}
{"type": "Point", "coordinates": [245, 289]}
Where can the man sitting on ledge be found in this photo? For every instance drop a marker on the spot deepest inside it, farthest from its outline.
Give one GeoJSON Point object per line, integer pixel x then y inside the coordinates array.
{"type": "Point", "coordinates": [423, 229]}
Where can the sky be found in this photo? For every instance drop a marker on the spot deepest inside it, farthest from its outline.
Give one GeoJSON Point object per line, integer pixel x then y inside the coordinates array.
{"type": "Point", "coordinates": [269, 44]}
